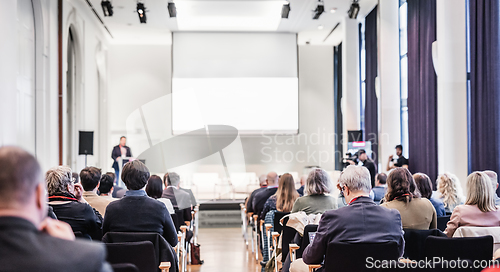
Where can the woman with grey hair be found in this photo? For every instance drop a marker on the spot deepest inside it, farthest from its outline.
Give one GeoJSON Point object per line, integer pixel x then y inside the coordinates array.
{"type": "Point", "coordinates": [316, 197]}
{"type": "Point", "coordinates": [65, 197]}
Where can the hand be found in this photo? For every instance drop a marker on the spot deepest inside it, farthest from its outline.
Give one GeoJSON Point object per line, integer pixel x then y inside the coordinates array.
{"type": "Point", "coordinates": [390, 157]}
{"type": "Point", "coordinates": [79, 193]}
{"type": "Point", "coordinates": [57, 229]}
{"type": "Point", "coordinates": [351, 162]}
{"type": "Point", "coordinates": [118, 159]}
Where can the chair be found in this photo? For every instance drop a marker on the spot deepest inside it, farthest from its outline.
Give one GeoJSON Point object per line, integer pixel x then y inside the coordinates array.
{"type": "Point", "coordinates": [442, 221]}
{"type": "Point", "coordinates": [124, 267]}
{"type": "Point", "coordinates": [305, 238]}
{"type": "Point", "coordinates": [353, 257]}
{"type": "Point", "coordinates": [480, 231]}
{"type": "Point", "coordinates": [415, 241]}
{"type": "Point", "coordinates": [286, 238]}
{"type": "Point", "coordinates": [80, 235]}
{"type": "Point", "coordinates": [244, 222]}
{"type": "Point", "coordinates": [470, 248]}
{"type": "Point", "coordinates": [140, 254]}
{"type": "Point", "coordinates": [163, 251]}
{"type": "Point", "coordinates": [277, 217]}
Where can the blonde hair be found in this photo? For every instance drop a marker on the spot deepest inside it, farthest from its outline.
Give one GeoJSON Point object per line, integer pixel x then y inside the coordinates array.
{"type": "Point", "coordinates": [58, 178]}
{"type": "Point", "coordinates": [480, 192]}
{"type": "Point", "coordinates": [286, 193]}
{"type": "Point", "coordinates": [450, 189]}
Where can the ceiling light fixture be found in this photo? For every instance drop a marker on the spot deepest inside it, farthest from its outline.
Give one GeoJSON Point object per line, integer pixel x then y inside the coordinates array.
{"type": "Point", "coordinates": [285, 10]}
{"type": "Point", "coordinates": [141, 11]}
{"type": "Point", "coordinates": [319, 10]}
{"type": "Point", "coordinates": [107, 8]}
{"type": "Point", "coordinates": [353, 10]}
{"type": "Point", "coordinates": [320, 27]}
{"type": "Point", "coordinates": [333, 10]}
{"type": "Point", "coordinates": [172, 11]}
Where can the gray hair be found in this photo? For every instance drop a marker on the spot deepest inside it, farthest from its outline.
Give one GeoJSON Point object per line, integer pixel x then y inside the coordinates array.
{"type": "Point", "coordinates": [173, 179]}
{"type": "Point", "coordinates": [58, 178]}
{"type": "Point", "coordinates": [356, 178]}
{"type": "Point", "coordinates": [493, 177]}
{"type": "Point", "coordinates": [318, 182]}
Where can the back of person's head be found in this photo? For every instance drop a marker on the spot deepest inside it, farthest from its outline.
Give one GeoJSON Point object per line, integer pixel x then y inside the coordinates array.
{"type": "Point", "coordinates": [424, 184]}
{"type": "Point", "coordinates": [106, 184]}
{"type": "Point", "coordinates": [399, 185]}
{"type": "Point", "coordinates": [135, 175]}
{"type": "Point", "coordinates": [173, 179]}
{"type": "Point", "coordinates": [272, 178]}
{"type": "Point", "coordinates": [480, 192]}
{"type": "Point", "coordinates": [154, 188]}
{"type": "Point", "coordinates": [493, 177]}
{"type": "Point", "coordinates": [303, 180]}
{"type": "Point", "coordinates": [286, 193]}
{"type": "Point", "coordinates": [113, 175]}
{"type": "Point", "coordinates": [58, 179]}
{"type": "Point", "coordinates": [318, 183]}
{"type": "Point", "coordinates": [90, 177]}
{"type": "Point", "coordinates": [381, 177]}
{"type": "Point", "coordinates": [450, 189]}
{"type": "Point", "coordinates": [19, 178]}
{"type": "Point", "coordinates": [356, 178]}
{"type": "Point", "coordinates": [262, 180]}
{"type": "Point", "coordinates": [76, 177]}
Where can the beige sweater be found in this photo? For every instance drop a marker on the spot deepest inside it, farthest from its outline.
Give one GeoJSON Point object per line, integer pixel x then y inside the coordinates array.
{"type": "Point", "coordinates": [418, 214]}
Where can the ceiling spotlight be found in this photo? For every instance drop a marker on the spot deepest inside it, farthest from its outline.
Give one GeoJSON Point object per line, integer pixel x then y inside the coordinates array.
{"type": "Point", "coordinates": [333, 10]}
{"type": "Point", "coordinates": [172, 11]}
{"type": "Point", "coordinates": [285, 10]}
{"type": "Point", "coordinates": [353, 10]}
{"type": "Point", "coordinates": [320, 27]}
{"type": "Point", "coordinates": [107, 8]}
{"type": "Point", "coordinates": [141, 11]}
{"type": "Point", "coordinates": [319, 10]}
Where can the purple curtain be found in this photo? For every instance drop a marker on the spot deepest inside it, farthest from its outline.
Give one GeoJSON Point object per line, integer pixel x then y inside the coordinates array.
{"type": "Point", "coordinates": [422, 88]}
{"type": "Point", "coordinates": [371, 110]}
{"type": "Point", "coordinates": [484, 85]}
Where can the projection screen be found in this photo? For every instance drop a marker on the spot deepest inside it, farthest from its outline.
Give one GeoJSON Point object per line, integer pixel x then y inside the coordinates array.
{"type": "Point", "coordinates": [245, 80]}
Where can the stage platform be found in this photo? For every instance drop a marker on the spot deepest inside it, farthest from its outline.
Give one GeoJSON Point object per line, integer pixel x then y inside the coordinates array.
{"type": "Point", "coordinates": [220, 213]}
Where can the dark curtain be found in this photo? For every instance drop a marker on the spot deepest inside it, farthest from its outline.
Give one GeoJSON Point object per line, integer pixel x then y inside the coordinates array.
{"type": "Point", "coordinates": [484, 85]}
{"type": "Point", "coordinates": [422, 88]}
{"type": "Point", "coordinates": [371, 68]}
{"type": "Point", "coordinates": [337, 97]}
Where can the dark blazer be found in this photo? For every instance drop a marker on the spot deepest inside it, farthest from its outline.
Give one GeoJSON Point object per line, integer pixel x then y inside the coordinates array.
{"type": "Point", "coordinates": [301, 190]}
{"type": "Point", "coordinates": [372, 168]}
{"type": "Point", "coordinates": [180, 200]}
{"type": "Point", "coordinates": [139, 213]}
{"type": "Point", "coordinates": [117, 153]}
{"type": "Point", "coordinates": [361, 222]}
{"type": "Point", "coordinates": [24, 248]}
{"type": "Point", "coordinates": [251, 197]}
{"type": "Point", "coordinates": [260, 199]}
{"type": "Point", "coordinates": [191, 196]}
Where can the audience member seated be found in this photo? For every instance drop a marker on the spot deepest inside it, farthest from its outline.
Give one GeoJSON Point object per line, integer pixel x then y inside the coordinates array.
{"type": "Point", "coordinates": [76, 177]}
{"type": "Point", "coordinates": [29, 241]}
{"type": "Point", "coordinates": [449, 191]}
{"type": "Point", "coordinates": [136, 212]}
{"type": "Point", "coordinates": [380, 187]}
{"type": "Point", "coordinates": [154, 189]}
{"type": "Point", "coordinates": [180, 199]}
{"type": "Point", "coordinates": [402, 195]}
{"type": "Point", "coordinates": [494, 181]}
{"type": "Point", "coordinates": [284, 198]}
{"type": "Point", "coordinates": [263, 186]}
{"type": "Point", "coordinates": [479, 209]}
{"type": "Point", "coordinates": [118, 192]}
{"type": "Point", "coordinates": [106, 187]}
{"type": "Point", "coordinates": [362, 221]}
{"type": "Point", "coordinates": [192, 198]}
{"type": "Point", "coordinates": [90, 178]}
{"type": "Point", "coordinates": [424, 185]}
{"type": "Point", "coordinates": [66, 198]}
{"type": "Point", "coordinates": [302, 185]}
{"type": "Point", "coordinates": [260, 198]}
{"type": "Point", "coordinates": [316, 198]}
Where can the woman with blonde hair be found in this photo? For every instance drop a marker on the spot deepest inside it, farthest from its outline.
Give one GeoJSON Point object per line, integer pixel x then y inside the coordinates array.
{"type": "Point", "coordinates": [479, 209]}
{"type": "Point", "coordinates": [284, 197]}
{"type": "Point", "coordinates": [449, 191]}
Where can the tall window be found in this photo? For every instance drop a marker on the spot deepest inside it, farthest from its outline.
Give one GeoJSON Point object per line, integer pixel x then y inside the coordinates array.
{"type": "Point", "coordinates": [403, 62]}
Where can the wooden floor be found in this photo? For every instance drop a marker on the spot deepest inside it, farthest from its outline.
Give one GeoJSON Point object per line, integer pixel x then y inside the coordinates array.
{"type": "Point", "coordinates": [224, 250]}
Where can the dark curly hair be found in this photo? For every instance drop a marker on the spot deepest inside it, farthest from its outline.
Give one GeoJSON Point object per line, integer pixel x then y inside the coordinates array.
{"type": "Point", "coordinates": [401, 186]}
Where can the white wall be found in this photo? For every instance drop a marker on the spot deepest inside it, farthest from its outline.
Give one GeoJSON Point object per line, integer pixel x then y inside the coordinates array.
{"type": "Point", "coordinates": [141, 73]}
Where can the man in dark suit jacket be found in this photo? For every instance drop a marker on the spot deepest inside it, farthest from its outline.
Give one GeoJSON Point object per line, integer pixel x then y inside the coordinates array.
{"type": "Point", "coordinates": [136, 212]}
{"type": "Point", "coordinates": [263, 186]}
{"type": "Point", "coordinates": [179, 198]}
{"type": "Point", "coordinates": [28, 240]}
{"type": "Point", "coordinates": [302, 185]}
{"type": "Point", "coordinates": [260, 199]}
{"type": "Point", "coordinates": [120, 150]}
{"type": "Point", "coordinates": [362, 221]}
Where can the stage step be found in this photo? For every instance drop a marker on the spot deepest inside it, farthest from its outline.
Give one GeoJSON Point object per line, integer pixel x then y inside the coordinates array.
{"type": "Point", "coordinates": [220, 214]}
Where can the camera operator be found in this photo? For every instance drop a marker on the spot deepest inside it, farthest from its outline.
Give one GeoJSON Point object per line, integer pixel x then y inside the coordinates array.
{"type": "Point", "coordinates": [368, 163]}
{"type": "Point", "coordinates": [400, 162]}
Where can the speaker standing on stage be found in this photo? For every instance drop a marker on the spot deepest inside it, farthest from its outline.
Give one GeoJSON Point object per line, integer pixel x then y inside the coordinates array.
{"type": "Point", "coordinates": [119, 151]}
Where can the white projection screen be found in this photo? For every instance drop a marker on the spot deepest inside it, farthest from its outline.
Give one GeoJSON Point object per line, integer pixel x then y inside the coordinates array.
{"type": "Point", "coordinates": [245, 80]}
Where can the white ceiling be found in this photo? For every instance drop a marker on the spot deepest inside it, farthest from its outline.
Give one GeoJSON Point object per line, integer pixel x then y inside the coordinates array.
{"type": "Point", "coordinates": [227, 15]}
